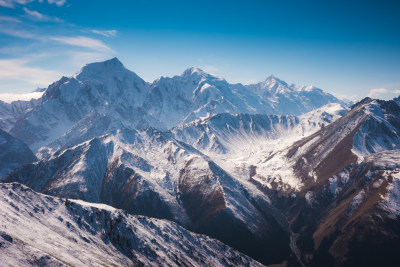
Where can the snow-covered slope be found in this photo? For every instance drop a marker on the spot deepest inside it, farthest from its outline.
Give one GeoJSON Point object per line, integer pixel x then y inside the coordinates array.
{"type": "Point", "coordinates": [235, 133]}
{"type": "Point", "coordinates": [371, 126]}
{"type": "Point", "coordinates": [291, 99]}
{"type": "Point", "coordinates": [148, 172]}
{"type": "Point", "coordinates": [229, 133]}
{"type": "Point", "coordinates": [242, 143]}
{"type": "Point", "coordinates": [39, 230]}
{"type": "Point", "coordinates": [13, 154]}
{"type": "Point", "coordinates": [353, 218]}
{"type": "Point", "coordinates": [104, 88]}
{"type": "Point", "coordinates": [326, 114]}
{"type": "Point", "coordinates": [197, 94]}
{"type": "Point", "coordinates": [11, 112]}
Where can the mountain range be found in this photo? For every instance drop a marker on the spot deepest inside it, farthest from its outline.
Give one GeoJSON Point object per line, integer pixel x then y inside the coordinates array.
{"type": "Point", "coordinates": [284, 174]}
{"type": "Point", "coordinates": [106, 96]}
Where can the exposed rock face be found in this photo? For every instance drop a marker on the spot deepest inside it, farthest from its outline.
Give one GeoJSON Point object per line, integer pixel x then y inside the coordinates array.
{"type": "Point", "coordinates": [13, 154]}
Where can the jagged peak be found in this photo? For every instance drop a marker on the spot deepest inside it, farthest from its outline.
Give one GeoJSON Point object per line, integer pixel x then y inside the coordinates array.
{"type": "Point", "coordinates": [273, 78]}
{"type": "Point", "coordinates": [102, 67]}
{"type": "Point", "coordinates": [110, 64]}
{"type": "Point", "coordinates": [197, 72]}
{"type": "Point", "coordinates": [193, 70]}
{"type": "Point", "coordinates": [364, 101]}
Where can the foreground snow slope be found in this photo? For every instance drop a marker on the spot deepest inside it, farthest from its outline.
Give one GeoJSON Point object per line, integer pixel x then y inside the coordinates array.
{"type": "Point", "coordinates": [39, 230]}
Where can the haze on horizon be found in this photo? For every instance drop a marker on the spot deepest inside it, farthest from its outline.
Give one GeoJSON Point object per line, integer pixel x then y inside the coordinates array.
{"type": "Point", "coordinates": [349, 49]}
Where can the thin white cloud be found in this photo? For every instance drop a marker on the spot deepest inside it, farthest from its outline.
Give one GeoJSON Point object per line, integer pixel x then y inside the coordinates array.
{"type": "Point", "coordinates": [57, 2]}
{"type": "Point", "coordinates": [110, 33]}
{"type": "Point", "coordinates": [383, 93]}
{"type": "Point", "coordinates": [14, 27]}
{"type": "Point", "coordinates": [8, 98]}
{"type": "Point", "coordinates": [18, 69]}
{"type": "Point", "coordinates": [35, 14]}
{"type": "Point", "coordinates": [39, 16]}
{"type": "Point", "coordinates": [13, 3]}
{"type": "Point", "coordinates": [9, 19]}
{"type": "Point", "coordinates": [16, 32]}
{"type": "Point", "coordinates": [377, 92]}
{"type": "Point", "coordinates": [83, 41]}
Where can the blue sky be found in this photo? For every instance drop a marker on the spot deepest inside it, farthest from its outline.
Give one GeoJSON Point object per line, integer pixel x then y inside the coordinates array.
{"type": "Point", "coordinates": [348, 48]}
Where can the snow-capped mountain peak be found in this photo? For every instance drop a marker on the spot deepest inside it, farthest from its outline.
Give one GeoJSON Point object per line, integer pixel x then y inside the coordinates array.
{"type": "Point", "coordinates": [192, 70]}
{"type": "Point", "coordinates": [110, 65]}
{"type": "Point", "coordinates": [199, 73]}
{"type": "Point", "coordinates": [270, 86]}
{"type": "Point", "coordinates": [108, 69]}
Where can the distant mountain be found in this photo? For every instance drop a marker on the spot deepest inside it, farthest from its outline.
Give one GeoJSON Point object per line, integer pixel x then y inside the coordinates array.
{"type": "Point", "coordinates": [13, 154]}
{"type": "Point", "coordinates": [197, 94]}
{"type": "Point", "coordinates": [236, 133]}
{"type": "Point", "coordinates": [104, 89]}
{"type": "Point", "coordinates": [291, 99]}
{"type": "Point", "coordinates": [397, 100]}
{"type": "Point", "coordinates": [10, 113]}
{"type": "Point", "coordinates": [105, 96]}
{"type": "Point", "coordinates": [39, 230]}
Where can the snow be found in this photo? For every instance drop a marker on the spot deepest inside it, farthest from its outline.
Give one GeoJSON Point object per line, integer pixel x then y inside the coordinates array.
{"type": "Point", "coordinates": [291, 99]}
{"type": "Point", "coordinates": [339, 180]}
{"type": "Point", "coordinates": [355, 202]}
{"type": "Point", "coordinates": [393, 197]}
{"type": "Point", "coordinates": [380, 132]}
{"type": "Point", "coordinates": [238, 142]}
{"type": "Point", "coordinates": [40, 230]}
{"type": "Point", "coordinates": [310, 197]}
